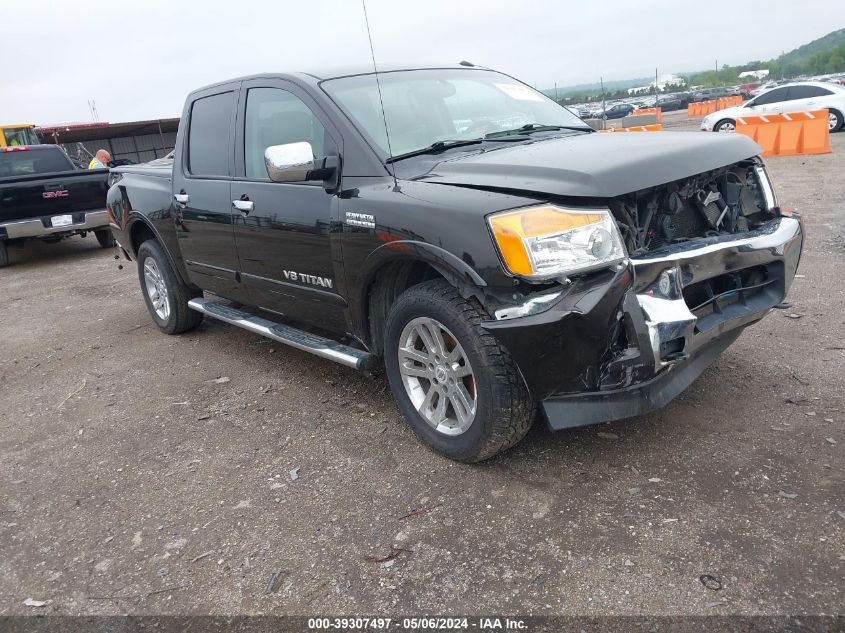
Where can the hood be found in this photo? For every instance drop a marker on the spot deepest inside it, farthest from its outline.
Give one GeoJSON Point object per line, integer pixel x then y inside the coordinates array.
{"type": "Point", "coordinates": [595, 165]}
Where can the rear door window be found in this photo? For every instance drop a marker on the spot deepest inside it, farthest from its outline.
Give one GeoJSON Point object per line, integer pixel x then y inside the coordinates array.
{"type": "Point", "coordinates": [209, 148]}
{"type": "Point", "coordinates": [806, 92]}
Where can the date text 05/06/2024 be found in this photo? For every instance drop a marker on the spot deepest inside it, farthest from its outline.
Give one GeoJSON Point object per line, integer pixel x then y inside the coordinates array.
{"type": "Point", "coordinates": [418, 623]}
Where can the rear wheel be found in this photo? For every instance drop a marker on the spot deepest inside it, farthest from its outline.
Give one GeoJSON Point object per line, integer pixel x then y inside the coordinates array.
{"type": "Point", "coordinates": [457, 387]}
{"type": "Point", "coordinates": [4, 254]}
{"type": "Point", "coordinates": [105, 238]}
{"type": "Point", "coordinates": [164, 293]}
{"type": "Point", "coordinates": [726, 126]}
{"type": "Point", "coordinates": [834, 120]}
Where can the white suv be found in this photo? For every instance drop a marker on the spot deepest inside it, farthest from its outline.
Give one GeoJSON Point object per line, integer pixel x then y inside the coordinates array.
{"type": "Point", "coordinates": [795, 97]}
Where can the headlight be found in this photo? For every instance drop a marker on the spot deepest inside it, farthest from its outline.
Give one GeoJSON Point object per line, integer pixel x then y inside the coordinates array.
{"type": "Point", "coordinates": [766, 187]}
{"type": "Point", "coordinates": [547, 241]}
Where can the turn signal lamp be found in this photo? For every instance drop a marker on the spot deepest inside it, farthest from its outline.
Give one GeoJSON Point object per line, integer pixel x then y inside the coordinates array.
{"type": "Point", "coordinates": [548, 241]}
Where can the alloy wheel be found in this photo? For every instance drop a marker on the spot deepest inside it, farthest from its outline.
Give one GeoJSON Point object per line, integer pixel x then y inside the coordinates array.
{"type": "Point", "coordinates": [156, 289]}
{"type": "Point", "coordinates": [437, 376]}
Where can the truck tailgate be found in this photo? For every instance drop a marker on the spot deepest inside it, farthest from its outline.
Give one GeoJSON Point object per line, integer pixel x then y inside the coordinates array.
{"type": "Point", "coordinates": [25, 197]}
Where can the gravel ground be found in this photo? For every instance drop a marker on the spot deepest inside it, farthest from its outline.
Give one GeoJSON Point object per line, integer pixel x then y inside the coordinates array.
{"type": "Point", "coordinates": [147, 474]}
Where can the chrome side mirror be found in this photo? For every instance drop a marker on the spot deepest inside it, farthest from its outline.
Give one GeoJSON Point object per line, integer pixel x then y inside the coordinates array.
{"type": "Point", "coordinates": [290, 162]}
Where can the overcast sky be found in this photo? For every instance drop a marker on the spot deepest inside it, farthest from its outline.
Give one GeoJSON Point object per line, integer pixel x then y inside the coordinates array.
{"type": "Point", "coordinates": [139, 59]}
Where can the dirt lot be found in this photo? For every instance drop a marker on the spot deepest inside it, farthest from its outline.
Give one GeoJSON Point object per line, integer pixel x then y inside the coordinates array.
{"type": "Point", "coordinates": [141, 473]}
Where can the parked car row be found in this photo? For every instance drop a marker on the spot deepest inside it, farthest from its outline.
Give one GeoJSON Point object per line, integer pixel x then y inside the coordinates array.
{"type": "Point", "coordinates": [771, 97]}
{"type": "Point", "coordinates": [709, 94]}
{"type": "Point", "coordinates": [612, 110]}
{"type": "Point", "coordinates": [669, 103]}
{"type": "Point", "coordinates": [620, 108]}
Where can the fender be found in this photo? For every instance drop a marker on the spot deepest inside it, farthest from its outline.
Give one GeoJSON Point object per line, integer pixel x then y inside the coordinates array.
{"type": "Point", "coordinates": [171, 246]}
{"type": "Point", "coordinates": [452, 268]}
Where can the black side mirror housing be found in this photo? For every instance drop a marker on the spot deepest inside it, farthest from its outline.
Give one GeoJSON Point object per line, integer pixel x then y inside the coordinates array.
{"type": "Point", "coordinates": [328, 170]}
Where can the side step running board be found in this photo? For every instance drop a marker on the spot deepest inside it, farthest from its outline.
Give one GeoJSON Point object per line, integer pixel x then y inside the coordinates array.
{"type": "Point", "coordinates": [307, 342]}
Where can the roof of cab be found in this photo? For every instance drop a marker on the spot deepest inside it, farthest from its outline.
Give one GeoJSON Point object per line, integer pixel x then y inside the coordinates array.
{"type": "Point", "coordinates": [362, 69]}
{"type": "Point", "coordinates": [337, 72]}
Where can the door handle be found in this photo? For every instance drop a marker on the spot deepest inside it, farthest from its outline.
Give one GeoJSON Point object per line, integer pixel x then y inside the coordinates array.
{"type": "Point", "coordinates": [182, 198]}
{"type": "Point", "coordinates": [244, 206]}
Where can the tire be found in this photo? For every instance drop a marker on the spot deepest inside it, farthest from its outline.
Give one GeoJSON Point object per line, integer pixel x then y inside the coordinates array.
{"type": "Point", "coordinates": [840, 121]}
{"type": "Point", "coordinates": [105, 238]}
{"type": "Point", "coordinates": [172, 314]}
{"type": "Point", "coordinates": [502, 410]}
{"type": "Point", "coordinates": [729, 125]}
{"type": "Point", "coordinates": [4, 254]}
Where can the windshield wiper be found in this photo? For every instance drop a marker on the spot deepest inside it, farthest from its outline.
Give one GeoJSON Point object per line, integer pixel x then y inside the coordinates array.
{"type": "Point", "coordinates": [440, 146]}
{"type": "Point", "coordinates": [435, 148]}
{"type": "Point", "coordinates": [530, 128]}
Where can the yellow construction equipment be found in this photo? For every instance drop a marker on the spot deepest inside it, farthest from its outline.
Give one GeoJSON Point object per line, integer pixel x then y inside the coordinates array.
{"type": "Point", "coordinates": [18, 135]}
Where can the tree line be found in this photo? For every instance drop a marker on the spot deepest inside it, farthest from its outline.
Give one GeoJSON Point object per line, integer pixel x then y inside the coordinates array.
{"type": "Point", "coordinates": [821, 63]}
{"type": "Point", "coordinates": [829, 61]}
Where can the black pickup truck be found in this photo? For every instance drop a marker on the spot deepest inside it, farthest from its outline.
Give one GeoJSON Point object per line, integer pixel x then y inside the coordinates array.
{"type": "Point", "coordinates": [44, 196]}
{"type": "Point", "coordinates": [485, 245]}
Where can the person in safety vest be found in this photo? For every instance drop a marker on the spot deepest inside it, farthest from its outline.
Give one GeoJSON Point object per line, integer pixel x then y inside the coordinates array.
{"type": "Point", "coordinates": [101, 160]}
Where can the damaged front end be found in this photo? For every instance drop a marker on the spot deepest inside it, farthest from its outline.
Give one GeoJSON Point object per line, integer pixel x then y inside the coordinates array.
{"type": "Point", "coordinates": [707, 256]}
{"type": "Point", "coordinates": [729, 200]}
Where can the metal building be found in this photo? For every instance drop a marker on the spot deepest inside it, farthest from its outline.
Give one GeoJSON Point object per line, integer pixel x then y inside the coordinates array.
{"type": "Point", "coordinates": [134, 141]}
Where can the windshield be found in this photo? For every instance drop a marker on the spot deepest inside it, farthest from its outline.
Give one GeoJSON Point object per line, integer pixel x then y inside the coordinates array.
{"type": "Point", "coordinates": [422, 107]}
{"type": "Point", "coordinates": [16, 136]}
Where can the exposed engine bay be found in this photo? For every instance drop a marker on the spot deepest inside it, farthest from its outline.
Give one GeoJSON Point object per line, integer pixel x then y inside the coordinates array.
{"type": "Point", "coordinates": [718, 202]}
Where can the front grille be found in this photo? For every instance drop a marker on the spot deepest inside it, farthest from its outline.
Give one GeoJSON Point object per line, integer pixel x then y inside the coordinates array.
{"type": "Point", "coordinates": [735, 295]}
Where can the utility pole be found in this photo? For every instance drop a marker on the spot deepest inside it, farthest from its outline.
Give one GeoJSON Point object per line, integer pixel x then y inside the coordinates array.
{"type": "Point", "coordinates": [717, 81]}
{"type": "Point", "coordinates": [555, 91]}
{"type": "Point", "coordinates": [655, 87]}
{"type": "Point", "coordinates": [603, 115]}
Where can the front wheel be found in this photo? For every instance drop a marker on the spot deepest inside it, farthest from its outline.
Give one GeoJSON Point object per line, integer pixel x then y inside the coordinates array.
{"type": "Point", "coordinates": [834, 120]}
{"type": "Point", "coordinates": [164, 293]}
{"type": "Point", "coordinates": [105, 238]}
{"type": "Point", "coordinates": [456, 386]}
{"type": "Point", "coordinates": [726, 126]}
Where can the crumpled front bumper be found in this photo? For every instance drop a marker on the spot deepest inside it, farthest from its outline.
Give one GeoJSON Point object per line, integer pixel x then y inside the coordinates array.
{"type": "Point", "coordinates": [628, 341]}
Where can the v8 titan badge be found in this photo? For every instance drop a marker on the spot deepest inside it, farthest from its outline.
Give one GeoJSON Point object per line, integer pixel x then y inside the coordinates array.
{"type": "Point", "coordinates": [314, 280]}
